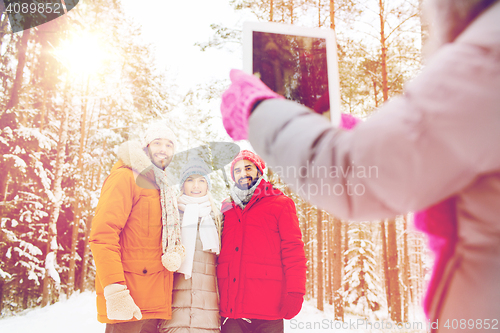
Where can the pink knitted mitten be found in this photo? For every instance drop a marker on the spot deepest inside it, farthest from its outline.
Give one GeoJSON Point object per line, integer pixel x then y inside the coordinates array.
{"type": "Point", "coordinates": [348, 121]}
{"type": "Point", "coordinates": [238, 100]}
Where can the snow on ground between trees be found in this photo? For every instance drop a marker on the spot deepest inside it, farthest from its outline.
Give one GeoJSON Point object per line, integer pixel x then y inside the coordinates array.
{"type": "Point", "coordinates": [78, 315]}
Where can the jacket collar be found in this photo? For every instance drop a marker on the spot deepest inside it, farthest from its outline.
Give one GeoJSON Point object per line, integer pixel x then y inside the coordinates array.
{"type": "Point", "coordinates": [133, 156]}
{"type": "Point", "coordinates": [265, 189]}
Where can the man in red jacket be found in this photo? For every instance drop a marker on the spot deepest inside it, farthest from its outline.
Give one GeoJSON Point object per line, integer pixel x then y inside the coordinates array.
{"type": "Point", "coordinates": [262, 266]}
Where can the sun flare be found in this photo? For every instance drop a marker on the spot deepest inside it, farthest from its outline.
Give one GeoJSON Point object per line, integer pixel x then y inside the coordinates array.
{"type": "Point", "coordinates": [82, 54]}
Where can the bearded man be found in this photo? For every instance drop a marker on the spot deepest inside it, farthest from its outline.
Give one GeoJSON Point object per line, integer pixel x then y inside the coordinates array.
{"type": "Point", "coordinates": [262, 266]}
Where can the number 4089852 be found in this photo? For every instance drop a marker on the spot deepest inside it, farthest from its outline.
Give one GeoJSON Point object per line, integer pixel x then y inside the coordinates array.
{"type": "Point", "coordinates": [32, 8]}
{"type": "Point", "coordinates": [486, 324]}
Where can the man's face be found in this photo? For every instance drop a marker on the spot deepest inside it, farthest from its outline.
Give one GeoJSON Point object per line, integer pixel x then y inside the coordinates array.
{"type": "Point", "coordinates": [245, 174]}
{"type": "Point", "coordinates": [161, 152]}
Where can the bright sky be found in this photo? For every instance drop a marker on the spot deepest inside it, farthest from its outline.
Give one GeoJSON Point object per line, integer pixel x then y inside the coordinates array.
{"type": "Point", "coordinates": [175, 26]}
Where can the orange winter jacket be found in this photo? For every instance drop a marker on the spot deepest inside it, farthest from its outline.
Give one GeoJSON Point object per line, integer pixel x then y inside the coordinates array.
{"type": "Point", "coordinates": [126, 237]}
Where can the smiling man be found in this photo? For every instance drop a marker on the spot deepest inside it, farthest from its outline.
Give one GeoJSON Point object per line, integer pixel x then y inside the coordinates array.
{"type": "Point", "coordinates": [261, 269]}
{"type": "Point", "coordinates": [161, 151]}
{"type": "Point", "coordinates": [135, 236]}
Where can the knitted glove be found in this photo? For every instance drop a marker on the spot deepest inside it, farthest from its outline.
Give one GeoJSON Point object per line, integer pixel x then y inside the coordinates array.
{"type": "Point", "coordinates": [119, 303]}
{"type": "Point", "coordinates": [238, 100]}
{"type": "Point", "coordinates": [348, 121]}
{"type": "Point", "coordinates": [292, 305]}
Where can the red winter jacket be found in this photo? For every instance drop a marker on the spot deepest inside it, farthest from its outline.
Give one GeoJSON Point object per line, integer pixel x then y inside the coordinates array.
{"type": "Point", "coordinates": [262, 256]}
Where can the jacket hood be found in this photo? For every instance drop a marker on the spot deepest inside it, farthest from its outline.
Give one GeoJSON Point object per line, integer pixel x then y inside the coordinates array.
{"type": "Point", "coordinates": [133, 156]}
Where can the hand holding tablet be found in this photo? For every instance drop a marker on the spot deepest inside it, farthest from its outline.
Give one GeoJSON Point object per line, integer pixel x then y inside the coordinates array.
{"type": "Point", "coordinates": [286, 61]}
{"type": "Point", "coordinates": [239, 99]}
{"type": "Point", "coordinates": [296, 62]}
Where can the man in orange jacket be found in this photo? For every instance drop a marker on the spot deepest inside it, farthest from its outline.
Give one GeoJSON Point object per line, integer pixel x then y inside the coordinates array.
{"type": "Point", "coordinates": [135, 236]}
{"type": "Point", "coordinates": [261, 268]}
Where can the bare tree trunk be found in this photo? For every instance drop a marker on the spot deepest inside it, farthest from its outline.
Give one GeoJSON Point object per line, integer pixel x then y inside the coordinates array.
{"type": "Point", "coordinates": [4, 22]}
{"type": "Point", "coordinates": [271, 11]}
{"type": "Point", "coordinates": [393, 270]}
{"type": "Point", "coordinates": [411, 269]}
{"type": "Point", "coordinates": [308, 241]}
{"type": "Point", "coordinates": [311, 251]}
{"type": "Point", "coordinates": [42, 69]}
{"type": "Point", "coordinates": [78, 204]}
{"type": "Point", "coordinates": [21, 62]}
{"type": "Point", "coordinates": [319, 13]}
{"type": "Point", "coordinates": [337, 279]}
{"type": "Point", "coordinates": [86, 247]}
{"type": "Point", "coordinates": [43, 110]}
{"type": "Point", "coordinates": [386, 269]}
{"type": "Point", "coordinates": [332, 14]}
{"type": "Point", "coordinates": [383, 46]}
{"type": "Point", "coordinates": [424, 25]}
{"type": "Point", "coordinates": [421, 255]}
{"type": "Point", "coordinates": [96, 180]}
{"type": "Point", "coordinates": [56, 205]}
{"type": "Point", "coordinates": [319, 238]}
{"type": "Point", "coordinates": [406, 270]}
{"type": "Point", "coordinates": [346, 248]}
{"type": "Point", "coordinates": [86, 255]}
{"type": "Point", "coordinates": [331, 256]}
{"type": "Point", "coordinates": [1, 295]}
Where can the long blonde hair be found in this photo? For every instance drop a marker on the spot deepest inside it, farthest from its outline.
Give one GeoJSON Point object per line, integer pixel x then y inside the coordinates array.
{"type": "Point", "coordinates": [217, 216]}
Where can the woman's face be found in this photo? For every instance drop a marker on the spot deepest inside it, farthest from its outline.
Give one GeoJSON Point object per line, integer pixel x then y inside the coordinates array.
{"type": "Point", "coordinates": [195, 186]}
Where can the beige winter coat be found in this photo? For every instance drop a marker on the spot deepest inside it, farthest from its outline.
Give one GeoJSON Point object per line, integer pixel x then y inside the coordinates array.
{"type": "Point", "coordinates": [195, 303]}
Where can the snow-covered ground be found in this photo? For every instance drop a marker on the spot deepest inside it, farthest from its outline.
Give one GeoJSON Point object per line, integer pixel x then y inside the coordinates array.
{"type": "Point", "coordinates": [78, 315]}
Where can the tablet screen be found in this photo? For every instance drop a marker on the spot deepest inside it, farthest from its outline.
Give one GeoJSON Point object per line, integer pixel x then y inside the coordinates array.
{"type": "Point", "coordinates": [293, 66]}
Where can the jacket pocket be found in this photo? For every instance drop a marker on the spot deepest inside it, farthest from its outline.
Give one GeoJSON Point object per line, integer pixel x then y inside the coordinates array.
{"type": "Point", "coordinates": [148, 284]}
{"type": "Point", "coordinates": [263, 289]}
{"type": "Point", "coordinates": [264, 272]}
{"type": "Point", "coordinates": [223, 285]}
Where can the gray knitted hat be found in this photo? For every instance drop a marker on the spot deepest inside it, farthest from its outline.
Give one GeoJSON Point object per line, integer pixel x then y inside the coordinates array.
{"type": "Point", "coordinates": [196, 166]}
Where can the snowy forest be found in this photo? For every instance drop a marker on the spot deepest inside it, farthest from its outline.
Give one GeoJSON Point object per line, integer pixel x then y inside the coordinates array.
{"type": "Point", "coordinates": [75, 88]}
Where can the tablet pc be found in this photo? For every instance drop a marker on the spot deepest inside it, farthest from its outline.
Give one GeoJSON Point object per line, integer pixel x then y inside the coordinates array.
{"type": "Point", "coordinates": [297, 62]}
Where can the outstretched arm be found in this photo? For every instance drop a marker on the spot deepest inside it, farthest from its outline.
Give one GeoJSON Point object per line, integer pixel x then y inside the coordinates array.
{"type": "Point", "coordinates": [418, 149]}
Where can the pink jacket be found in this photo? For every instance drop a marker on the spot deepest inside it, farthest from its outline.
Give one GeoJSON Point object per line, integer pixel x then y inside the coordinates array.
{"type": "Point", "coordinates": [438, 140]}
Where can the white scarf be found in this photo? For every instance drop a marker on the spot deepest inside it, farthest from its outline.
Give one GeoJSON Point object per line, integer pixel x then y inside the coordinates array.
{"type": "Point", "coordinates": [195, 208]}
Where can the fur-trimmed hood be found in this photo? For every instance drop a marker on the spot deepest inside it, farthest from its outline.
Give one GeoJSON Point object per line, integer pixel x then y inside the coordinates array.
{"type": "Point", "coordinates": [133, 156]}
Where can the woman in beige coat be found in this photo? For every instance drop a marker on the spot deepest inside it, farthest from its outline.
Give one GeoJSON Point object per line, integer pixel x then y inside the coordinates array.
{"type": "Point", "coordinates": [195, 303]}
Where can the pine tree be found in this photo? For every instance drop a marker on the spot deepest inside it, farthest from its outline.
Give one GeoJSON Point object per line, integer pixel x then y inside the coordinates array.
{"type": "Point", "coordinates": [364, 295]}
{"type": "Point", "coordinates": [41, 170]}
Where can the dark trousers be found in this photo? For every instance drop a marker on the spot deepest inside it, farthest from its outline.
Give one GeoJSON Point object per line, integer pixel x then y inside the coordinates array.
{"type": "Point", "coordinates": [254, 326]}
{"type": "Point", "coordinates": [140, 326]}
